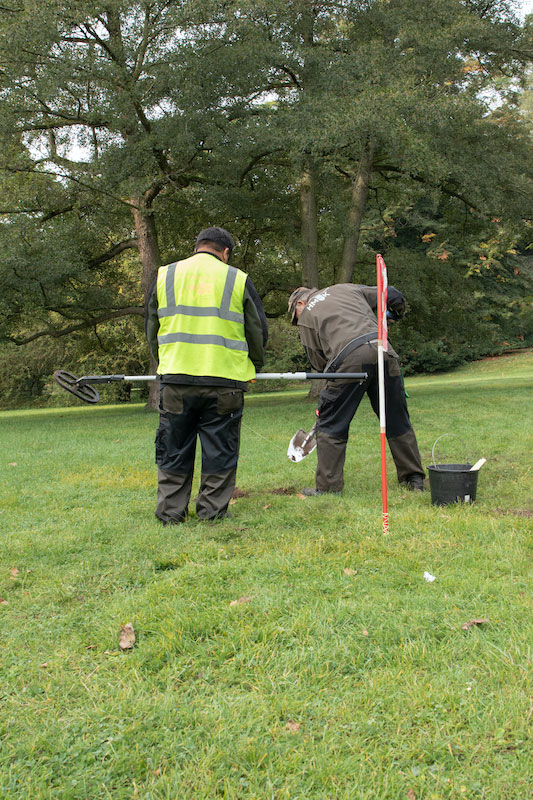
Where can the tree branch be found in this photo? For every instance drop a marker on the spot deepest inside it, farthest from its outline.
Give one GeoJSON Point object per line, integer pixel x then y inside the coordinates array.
{"type": "Point", "coordinates": [420, 179]}
{"type": "Point", "coordinates": [56, 333]}
{"type": "Point", "coordinates": [77, 120]}
{"type": "Point", "coordinates": [67, 177]}
{"type": "Point", "coordinates": [151, 193]}
{"type": "Point", "coordinates": [141, 52]}
{"type": "Point", "coordinates": [103, 44]}
{"type": "Point", "coordinates": [45, 218]}
{"type": "Point", "coordinates": [290, 73]}
{"type": "Point", "coordinates": [56, 213]}
{"type": "Point", "coordinates": [47, 126]}
{"type": "Point", "coordinates": [255, 160]}
{"type": "Point", "coordinates": [115, 251]}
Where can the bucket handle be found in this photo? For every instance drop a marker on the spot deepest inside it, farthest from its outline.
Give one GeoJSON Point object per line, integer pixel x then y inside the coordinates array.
{"type": "Point", "coordinates": [442, 437]}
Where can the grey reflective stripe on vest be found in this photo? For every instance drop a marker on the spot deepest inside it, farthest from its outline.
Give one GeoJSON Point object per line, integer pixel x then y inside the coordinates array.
{"type": "Point", "coordinates": [169, 283]}
{"type": "Point", "coordinates": [198, 311]}
{"type": "Point", "coordinates": [228, 288]}
{"type": "Point", "coordinates": [202, 338]}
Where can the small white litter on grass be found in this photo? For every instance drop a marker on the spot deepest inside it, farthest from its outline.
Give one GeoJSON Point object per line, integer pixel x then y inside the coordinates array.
{"type": "Point", "coordinates": [428, 577]}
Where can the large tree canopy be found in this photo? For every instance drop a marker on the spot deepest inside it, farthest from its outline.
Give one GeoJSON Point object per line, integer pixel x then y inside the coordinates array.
{"type": "Point", "coordinates": [317, 131]}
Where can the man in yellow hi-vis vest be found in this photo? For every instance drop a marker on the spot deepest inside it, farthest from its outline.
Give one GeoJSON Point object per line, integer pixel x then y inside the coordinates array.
{"type": "Point", "coordinates": [207, 328]}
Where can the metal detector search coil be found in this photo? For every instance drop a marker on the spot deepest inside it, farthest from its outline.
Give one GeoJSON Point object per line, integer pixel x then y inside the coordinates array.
{"type": "Point", "coordinates": [71, 384]}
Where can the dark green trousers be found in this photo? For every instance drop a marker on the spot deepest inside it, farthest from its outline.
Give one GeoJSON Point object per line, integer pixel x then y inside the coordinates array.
{"type": "Point", "coordinates": [338, 402]}
{"type": "Point", "coordinates": [213, 414]}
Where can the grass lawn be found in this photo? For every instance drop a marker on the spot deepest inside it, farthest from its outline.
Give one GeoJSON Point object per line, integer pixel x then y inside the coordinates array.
{"type": "Point", "coordinates": [340, 673]}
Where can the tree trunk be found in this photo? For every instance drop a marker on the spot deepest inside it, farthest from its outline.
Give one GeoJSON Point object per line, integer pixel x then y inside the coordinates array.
{"type": "Point", "coordinates": [358, 198]}
{"type": "Point", "coordinates": [309, 225]}
{"type": "Point", "coordinates": [149, 254]}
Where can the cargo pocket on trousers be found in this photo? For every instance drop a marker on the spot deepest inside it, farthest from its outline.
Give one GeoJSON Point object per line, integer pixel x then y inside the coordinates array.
{"type": "Point", "coordinates": [327, 397]}
{"type": "Point", "coordinates": [229, 401]}
{"type": "Point", "coordinates": [171, 399]}
{"type": "Point", "coordinates": [393, 367]}
{"type": "Point", "coordinates": [161, 442]}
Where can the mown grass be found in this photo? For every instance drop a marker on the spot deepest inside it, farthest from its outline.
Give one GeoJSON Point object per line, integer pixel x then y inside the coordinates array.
{"type": "Point", "coordinates": [321, 684]}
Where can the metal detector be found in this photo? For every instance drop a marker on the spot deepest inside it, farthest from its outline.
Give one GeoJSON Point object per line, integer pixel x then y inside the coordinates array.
{"type": "Point", "coordinates": [83, 388]}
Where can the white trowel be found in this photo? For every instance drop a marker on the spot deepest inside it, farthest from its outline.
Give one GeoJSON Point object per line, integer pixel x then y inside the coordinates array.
{"type": "Point", "coordinates": [302, 444]}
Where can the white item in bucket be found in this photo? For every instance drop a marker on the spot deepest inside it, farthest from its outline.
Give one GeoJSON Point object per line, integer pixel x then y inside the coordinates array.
{"type": "Point", "coordinates": [478, 465]}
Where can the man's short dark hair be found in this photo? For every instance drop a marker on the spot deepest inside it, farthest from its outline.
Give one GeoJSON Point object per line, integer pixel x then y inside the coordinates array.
{"type": "Point", "coordinates": [218, 238]}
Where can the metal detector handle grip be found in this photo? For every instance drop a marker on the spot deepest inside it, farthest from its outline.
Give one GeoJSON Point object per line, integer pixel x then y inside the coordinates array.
{"type": "Point", "coordinates": [334, 376]}
{"type": "Point", "coordinates": [309, 376]}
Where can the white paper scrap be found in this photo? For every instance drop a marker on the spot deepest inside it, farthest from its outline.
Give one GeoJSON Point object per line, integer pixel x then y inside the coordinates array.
{"type": "Point", "coordinates": [429, 578]}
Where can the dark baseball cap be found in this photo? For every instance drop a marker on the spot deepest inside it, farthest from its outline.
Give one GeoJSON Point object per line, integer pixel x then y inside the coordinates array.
{"type": "Point", "coordinates": [219, 236]}
{"type": "Point", "coordinates": [301, 293]}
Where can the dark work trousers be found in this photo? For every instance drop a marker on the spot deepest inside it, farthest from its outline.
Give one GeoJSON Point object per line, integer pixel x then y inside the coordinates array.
{"type": "Point", "coordinates": [214, 414]}
{"type": "Point", "coordinates": [338, 402]}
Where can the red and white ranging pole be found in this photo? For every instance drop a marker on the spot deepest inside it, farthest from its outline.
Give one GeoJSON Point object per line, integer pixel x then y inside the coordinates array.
{"type": "Point", "coordinates": [381, 270]}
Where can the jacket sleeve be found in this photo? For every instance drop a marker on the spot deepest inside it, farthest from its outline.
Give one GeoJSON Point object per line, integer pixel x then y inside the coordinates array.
{"type": "Point", "coordinates": [316, 358]}
{"type": "Point", "coordinates": [370, 293]}
{"type": "Point", "coordinates": [312, 347]}
{"type": "Point", "coordinates": [151, 320]}
{"type": "Point", "coordinates": [255, 325]}
{"type": "Point", "coordinates": [395, 299]}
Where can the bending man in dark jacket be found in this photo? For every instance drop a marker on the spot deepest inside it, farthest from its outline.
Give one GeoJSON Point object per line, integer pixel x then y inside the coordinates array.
{"type": "Point", "coordinates": [338, 329]}
{"type": "Point", "coordinates": [207, 328]}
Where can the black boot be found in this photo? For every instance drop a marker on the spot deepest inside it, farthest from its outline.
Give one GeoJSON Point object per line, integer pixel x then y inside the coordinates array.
{"type": "Point", "coordinates": [416, 484]}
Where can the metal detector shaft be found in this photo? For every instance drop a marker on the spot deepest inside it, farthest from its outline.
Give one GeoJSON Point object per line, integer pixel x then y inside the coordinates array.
{"type": "Point", "coordinates": [85, 379]}
{"type": "Point", "coordinates": [310, 376]}
{"type": "Point", "coordinates": [83, 387]}
{"type": "Point", "coordinates": [263, 376]}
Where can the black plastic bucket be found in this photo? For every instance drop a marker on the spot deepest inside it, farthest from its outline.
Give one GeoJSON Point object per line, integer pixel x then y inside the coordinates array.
{"type": "Point", "coordinates": [452, 483]}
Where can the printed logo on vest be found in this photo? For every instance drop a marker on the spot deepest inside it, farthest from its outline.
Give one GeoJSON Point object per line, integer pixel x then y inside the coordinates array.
{"type": "Point", "coordinates": [204, 287]}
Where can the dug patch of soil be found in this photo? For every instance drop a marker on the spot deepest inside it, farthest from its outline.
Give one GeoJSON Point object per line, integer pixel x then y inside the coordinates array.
{"type": "Point", "coordinates": [515, 512]}
{"type": "Point", "coordinates": [239, 493]}
{"type": "Point", "coordinates": [279, 490]}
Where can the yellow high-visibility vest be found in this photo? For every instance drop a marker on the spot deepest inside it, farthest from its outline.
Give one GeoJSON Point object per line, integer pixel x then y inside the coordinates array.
{"type": "Point", "coordinates": [201, 319]}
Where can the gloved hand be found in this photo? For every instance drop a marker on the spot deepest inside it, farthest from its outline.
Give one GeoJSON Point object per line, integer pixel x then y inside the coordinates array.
{"type": "Point", "coordinates": [395, 304]}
